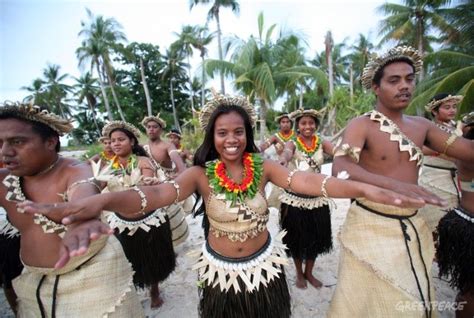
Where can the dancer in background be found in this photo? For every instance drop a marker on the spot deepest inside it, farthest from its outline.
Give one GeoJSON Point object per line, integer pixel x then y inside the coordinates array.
{"type": "Point", "coordinates": [146, 240]}
{"type": "Point", "coordinates": [306, 219]}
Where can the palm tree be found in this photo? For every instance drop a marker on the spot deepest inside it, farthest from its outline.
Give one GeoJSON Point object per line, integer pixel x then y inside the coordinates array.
{"type": "Point", "coordinates": [101, 36]}
{"type": "Point", "coordinates": [56, 90]}
{"type": "Point", "coordinates": [359, 57]}
{"type": "Point", "coordinates": [214, 14]}
{"type": "Point", "coordinates": [413, 23]}
{"type": "Point", "coordinates": [86, 88]}
{"type": "Point", "coordinates": [461, 18]}
{"type": "Point", "coordinates": [257, 69]}
{"type": "Point", "coordinates": [175, 69]}
{"type": "Point", "coordinates": [37, 91]}
{"type": "Point", "coordinates": [195, 37]}
{"type": "Point", "coordinates": [453, 73]}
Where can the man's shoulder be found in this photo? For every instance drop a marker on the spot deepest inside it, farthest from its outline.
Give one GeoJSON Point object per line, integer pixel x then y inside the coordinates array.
{"type": "Point", "coordinates": [73, 167]}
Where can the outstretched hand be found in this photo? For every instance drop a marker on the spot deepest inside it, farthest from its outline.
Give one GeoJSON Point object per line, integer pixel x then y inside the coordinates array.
{"type": "Point", "coordinates": [415, 191]}
{"type": "Point", "coordinates": [76, 241]}
{"type": "Point", "coordinates": [390, 197]}
{"type": "Point", "coordinates": [79, 210]}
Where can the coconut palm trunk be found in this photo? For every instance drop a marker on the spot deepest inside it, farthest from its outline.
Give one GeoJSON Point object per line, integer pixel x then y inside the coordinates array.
{"type": "Point", "coordinates": [219, 44]}
{"type": "Point", "coordinates": [263, 116]}
{"type": "Point", "coordinates": [114, 95]}
{"type": "Point", "coordinates": [145, 88]}
{"type": "Point", "coordinates": [104, 94]}
{"type": "Point", "coordinates": [175, 114]}
{"type": "Point", "coordinates": [203, 81]}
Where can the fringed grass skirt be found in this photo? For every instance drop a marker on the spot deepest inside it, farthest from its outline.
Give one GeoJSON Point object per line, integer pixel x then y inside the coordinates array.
{"type": "Point", "coordinates": [455, 252]}
{"type": "Point", "coordinates": [253, 286]}
{"type": "Point", "coordinates": [309, 230]}
{"type": "Point", "coordinates": [148, 245]}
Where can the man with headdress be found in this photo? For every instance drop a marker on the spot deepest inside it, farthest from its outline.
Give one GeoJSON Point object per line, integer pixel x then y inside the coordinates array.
{"type": "Point", "coordinates": [439, 171]}
{"type": "Point", "coordinates": [163, 156]}
{"type": "Point", "coordinates": [174, 136]}
{"type": "Point", "coordinates": [279, 139]}
{"type": "Point", "coordinates": [97, 283]}
{"type": "Point", "coordinates": [387, 251]}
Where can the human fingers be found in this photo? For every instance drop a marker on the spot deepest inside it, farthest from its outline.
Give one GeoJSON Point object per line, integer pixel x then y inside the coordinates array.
{"type": "Point", "coordinates": [63, 257]}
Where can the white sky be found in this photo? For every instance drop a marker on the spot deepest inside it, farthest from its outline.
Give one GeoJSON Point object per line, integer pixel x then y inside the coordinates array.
{"type": "Point", "coordinates": [36, 32]}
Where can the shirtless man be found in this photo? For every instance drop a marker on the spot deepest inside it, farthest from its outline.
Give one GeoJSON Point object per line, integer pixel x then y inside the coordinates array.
{"type": "Point", "coordinates": [29, 141]}
{"type": "Point", "coordinates": [163, 155]}
{"type": "Point", "coordinates": [161, 152]}
{"type": "Point", "coordinates": [386, 252]}
{"type": "Point", "coordinates": [281, 137]}
{"type": "Point", "coordinates": [174, 136]}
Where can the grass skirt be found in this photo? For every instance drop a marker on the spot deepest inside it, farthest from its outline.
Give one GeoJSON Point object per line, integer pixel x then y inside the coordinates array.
{"type": "Point", "coordinates": [253, 286]}
{"type": "Point", "coordinates": [309, 231]}
{"type": "Point", "coordinates": [10, 264]}
{"type": "Point", "coordinates": [150, 252]}
{"type": "Point", "coordinates": [455, 252]}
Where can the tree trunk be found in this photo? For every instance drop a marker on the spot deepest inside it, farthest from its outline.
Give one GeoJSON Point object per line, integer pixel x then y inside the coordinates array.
{"type": "Point", "coordinates": [175, 115]}
{"type": "Point", "coordinates": [301, 97]}
{"type": "Point", "coordinates": [191, 97]}
{"type": "Point", "coordinates": [219, 43]}
{"type": "Point", "coordinates": [263, 116]}
{"type": "Point", "coordinates": [114, 95]}
{"type": "Point", "coordinates": [420, 45]}
{"type": "Point", "coordinates": [203, 81]}
{"type": "Point", "coordinates": [328, 43]}
{"type": "Point", "coordinates": [91, 107]}
{"type": "Point", "coordinates": [351, 78]}
{"type": "Point", "coordinates": [145, 88]}
{"type": "Point", "coordinates": [104, 94]}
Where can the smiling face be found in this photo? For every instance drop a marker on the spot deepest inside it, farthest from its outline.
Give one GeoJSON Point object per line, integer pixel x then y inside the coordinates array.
{"type": "Point", "coordinates": [307, 126]}
{"type": "Point", "coordinates": [446, 111]}
{"type": "Point", "coordinates": [24, 152]}
{"type": "Point", "coordinates": [229, 136]}
{"type": "Point", "coordinates": [121, 143]}
{"type": "Point", "coordinates": [396, 86]}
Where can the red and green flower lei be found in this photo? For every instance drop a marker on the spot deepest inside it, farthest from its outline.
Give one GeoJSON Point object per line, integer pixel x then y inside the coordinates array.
{"type": "Point", "coordinates": [222, 183]}
{"type": "Point", "coordinates": [285, 138]}
{"type": "Point", "coordinates": [309, 150]}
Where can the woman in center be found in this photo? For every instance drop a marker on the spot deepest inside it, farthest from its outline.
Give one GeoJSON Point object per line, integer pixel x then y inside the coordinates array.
{"type": "Point", "coordinates": [240, 266]}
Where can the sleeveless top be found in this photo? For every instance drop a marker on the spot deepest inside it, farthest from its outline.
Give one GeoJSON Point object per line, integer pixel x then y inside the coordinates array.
{"type": "Point", "coordinates": [239, 222]}
{"type": "Point", "coordinates": [303, 162]}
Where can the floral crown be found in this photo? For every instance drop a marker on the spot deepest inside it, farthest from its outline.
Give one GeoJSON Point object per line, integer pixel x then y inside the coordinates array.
{"type": "Point", "coordinates": [397, 53]}
{"type": "Point", "coordinates": [221, 100]}
{"type": "Point", "coordinates": [300, 112]}
{"type": "Point", "coordinates": [33, 112]}
{"type": "Point", "coordinates": [156, 119]}
{"type": "Point", "coordinates": [281, 116]}
{"type": "Point", "coordinates": [175, 132]}
{"type": "Point", "coordinates": [103, 138]}
{"type": "Point", "coordinates": [435, 103]}
{"type": "Point", "coordinates": [109, 127]}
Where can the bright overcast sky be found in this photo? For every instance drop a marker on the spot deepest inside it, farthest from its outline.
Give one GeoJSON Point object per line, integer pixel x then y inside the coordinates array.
{"type": "Point", "coordinates": [36, 32]}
